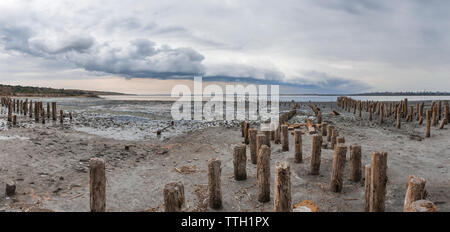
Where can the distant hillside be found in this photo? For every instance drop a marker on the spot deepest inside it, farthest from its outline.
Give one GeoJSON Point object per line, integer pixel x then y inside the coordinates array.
{"type": "Point", "coordinates": [424, 93]}
{"type": "Point", "coordinates": [29, 91]}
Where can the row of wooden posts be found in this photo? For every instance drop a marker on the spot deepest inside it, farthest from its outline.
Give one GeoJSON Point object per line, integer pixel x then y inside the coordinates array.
{"type": "Point", "coordinates": [26, 108]}
{"type": "Point", "coordinates": [260, 152]}
{"type": "Point", "coordinates": [438, 115]}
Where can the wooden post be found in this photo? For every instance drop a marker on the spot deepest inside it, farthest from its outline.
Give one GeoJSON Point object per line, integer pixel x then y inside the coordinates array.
{"type": "Point", "coordinates": [329, 133]}
{"type": "Point", "coordinates": [340, 140]}
{"type": "Point", "coordinates": [319, 117]}
{"type": "Point", "coordinates": [446, 113]}
{"type": "Point", "coordinates": [240, 162]}
{"type": "Point", "coordinates": [398, 118]}
{"type": "Point", "coordinates": [439, 110]}
{"type": "Point", "coordinates": [355, 163]}
{"type": "Point", "coordinates": [260, 140]}
{"type": "Point", "coordinates": [246, 127]}
{"type": "Point", "coordinates": [441, 126]}
{"type": "Point", "coordinates": [97, 185]}
{"type": "Point", "coordinates": [370, 113]}
{"type": "Point", "coordinates": [334, 136]}
{"type": "Point", "coordinates": [367, 190]}
{"type": "Point", "coordinates": [324, 128]}
{"type": "Point", "coordinates": [61, 116]}
{"type": "Point", "coordinates": [242, 128]}
{"type": "Point", "coordinates": [70, 116]}
{"type": "Point", "coordinates": [31, 109]}
{"type": "Point", "coordinates": [173, 197]}
{"type": "Point", "coordinates": [282, 191]}
{"type": "Point", "coordinates": [48, 110]}
{"type": "Point", "coordinates": [434, 114]}
{"type": "Point", "coordinates": [252, 144]}
{"type": "Point", "coordinates": [298, 153]}
{"type": "Point", "coordinates": [378, 181]}
{"type": "Point", "coordinates": [414, 192]}
{"type": "Point", "coordinates": [14, 120]}
{"type": "Point", "coordinates": [267, 134]}
{"type": "Point", "coordinates": [422, 206]}
{"type": "Point", "coordinates": [36, 111]}
{"type": "Point", "coordinates": [9, 113]}
{"type": "Point", "coordinates": [263, 174]}
{"type": "Point", "coordinates": [428, 131]}
{"type": "Point", "coordinates": [277, 139]}
{"type": "Point", "coordinates": [337, 171]}
{"type": "Point", "coordinates": [381, 113]}
{"type": "Point", "coordinates": [214, 188]}
{"type": "Point", "coordinates": [285, 138]}
{"type": "Point", "coordinates": [10, 188]}
{"type": "Point", "coordinates": [316, 152]}
{"type": "Point", "coordinates": [54, 111]}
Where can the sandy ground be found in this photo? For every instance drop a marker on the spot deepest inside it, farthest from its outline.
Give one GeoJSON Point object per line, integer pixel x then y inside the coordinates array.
{"type": "Point", "coordinates": [50, 167]}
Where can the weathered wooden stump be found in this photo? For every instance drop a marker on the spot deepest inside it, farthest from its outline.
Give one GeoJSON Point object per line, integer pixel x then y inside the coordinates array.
{"type": "Point", "coordinates": [316, 151]}
{"type": "Point", "coordinates": [277, 139]}
{"type": "Point", "coordinates": [97, 185]}
{"type": "Point", "coordinates": [334, 137]}
{"type": "Point", "coordinates": [282, 191]}
{"type": "Point", "coordinates": [329, 132]}
{"type": "Point", "coordinates": [54, 111]}
{"type": "Point", "coordinates": [367, 190]}
{"type": "Point", "coordinates": [61, 116]}
{"type": "Point", "coordinates": [285, 138]}
{"type": "Point", "coordinates": [48, 110]}
{"type": "Point", "coordinates": [14, 120]}
{"type": "Point", "coordinates": [246, 128]}
{"type": "Point", "coordinates": [355, 163]}
{"type": "Point", "coordinates": [399, 125]}
{"type": "Point", "coordinates": [173, 197]}
{"type": "Point", "coordinates": [298, 153]}
{"type": "Point", "coordinates": [240, 162]}
{"type": "Point", "coordinates": [263, 174]}
{"type": "Point", "coordinates": [337, 171]}
{"type": "Point", "coordinates": [10, 188]}
{"type": "Point", "coordinates": [378, 181]}
{"type": "Point", "coordinates": [340, 140]}
{"type": "Point", "coordinates": [260, 140]}
{"type": "Point", "coordinates": [267, 137]}
{"type": "Point", "coordinates": [414, 192]}
{"type": "Point", "coordinates": [214, 184]}
{"type": "Point", "coordinates": [428, 130]}
{"type": "Point", "coordinates": [324, 128]}
{"type": "Point", "coordinates": [252, 144]}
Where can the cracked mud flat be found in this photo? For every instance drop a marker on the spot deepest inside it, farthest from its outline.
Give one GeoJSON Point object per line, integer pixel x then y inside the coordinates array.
{"type": "Point", "coordinates": [50, 163]}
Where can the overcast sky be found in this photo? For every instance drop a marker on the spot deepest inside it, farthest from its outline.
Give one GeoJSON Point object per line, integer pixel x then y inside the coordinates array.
{"type": "Point", "coordinates": [308, 45]}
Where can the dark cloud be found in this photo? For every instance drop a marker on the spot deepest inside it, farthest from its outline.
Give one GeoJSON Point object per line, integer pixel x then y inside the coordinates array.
{"type": "Point", "coordinates": [138, 58]}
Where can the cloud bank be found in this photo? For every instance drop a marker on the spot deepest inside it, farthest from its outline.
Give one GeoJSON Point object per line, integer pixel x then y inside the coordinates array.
{"type": "Point", "coordinates": [321, 45]}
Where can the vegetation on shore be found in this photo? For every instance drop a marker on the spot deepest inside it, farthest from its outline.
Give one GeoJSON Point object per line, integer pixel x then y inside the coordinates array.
{"type": "Point", "coordinates": [28, 91]}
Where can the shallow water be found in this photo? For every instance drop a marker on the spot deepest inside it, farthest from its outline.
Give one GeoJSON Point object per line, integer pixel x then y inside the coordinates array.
{"type": "Point", "coordinates": [140, 117]}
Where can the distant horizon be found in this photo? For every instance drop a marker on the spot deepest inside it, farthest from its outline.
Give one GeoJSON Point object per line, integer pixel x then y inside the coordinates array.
{"type": "Point", "coordinates": [374, 93]}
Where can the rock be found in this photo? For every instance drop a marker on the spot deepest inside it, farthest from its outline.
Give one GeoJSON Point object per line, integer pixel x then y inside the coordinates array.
{"type": "Point", "coordinates": [306, 206]}
{"type": "Point", "coordinates": [422, 206]}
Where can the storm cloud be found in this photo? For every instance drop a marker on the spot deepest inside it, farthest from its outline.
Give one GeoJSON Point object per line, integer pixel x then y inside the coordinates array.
{"type": "Point", "coordinates": [321, 45]}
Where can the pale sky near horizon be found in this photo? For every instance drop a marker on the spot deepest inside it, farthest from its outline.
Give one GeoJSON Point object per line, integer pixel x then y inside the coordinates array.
{"type": "Point", "coordinates": [306, 46]}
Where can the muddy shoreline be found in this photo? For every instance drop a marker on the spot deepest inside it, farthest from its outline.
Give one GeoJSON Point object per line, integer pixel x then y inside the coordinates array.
{"type": "Point", "coordinates": [50, 164]}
